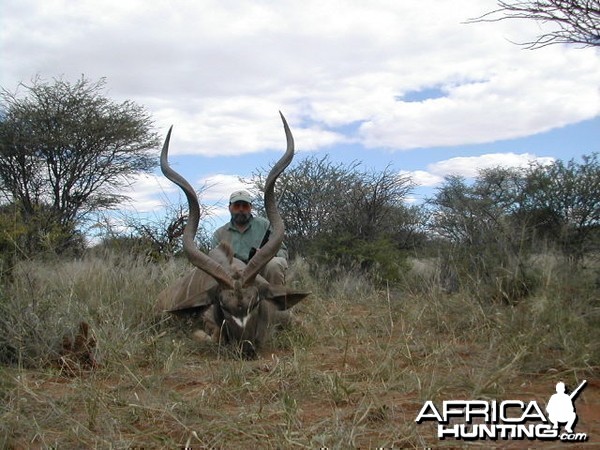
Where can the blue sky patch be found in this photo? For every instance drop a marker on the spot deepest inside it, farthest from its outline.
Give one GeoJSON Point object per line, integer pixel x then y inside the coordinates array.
{"type": "Point", "coordinates": [429, 93]}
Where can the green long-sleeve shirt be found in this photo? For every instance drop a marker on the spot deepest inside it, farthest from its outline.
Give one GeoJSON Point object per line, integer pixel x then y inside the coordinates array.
{"type": "Point", "coordinates": [243, 242]}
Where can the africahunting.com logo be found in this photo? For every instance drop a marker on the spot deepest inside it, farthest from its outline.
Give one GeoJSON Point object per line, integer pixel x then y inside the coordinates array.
{"type": "Point", "coordinates": [508, 419]}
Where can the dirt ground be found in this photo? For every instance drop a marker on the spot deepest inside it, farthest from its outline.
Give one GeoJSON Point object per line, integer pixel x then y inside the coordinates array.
{"type": "Point", "coordinates": [379, 417]}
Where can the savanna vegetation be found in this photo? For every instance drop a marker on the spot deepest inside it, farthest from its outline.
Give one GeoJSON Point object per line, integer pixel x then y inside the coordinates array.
{"type": "Point", "coordinates": [65, 150]}
{"type": "Point", "coordinates": [490, 290]}
{"type": "Point", "coordinates": [354, 373]}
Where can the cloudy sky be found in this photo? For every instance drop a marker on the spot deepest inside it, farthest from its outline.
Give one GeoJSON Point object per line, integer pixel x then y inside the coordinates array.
{"type": "Point", "coordinates": [387, 82]}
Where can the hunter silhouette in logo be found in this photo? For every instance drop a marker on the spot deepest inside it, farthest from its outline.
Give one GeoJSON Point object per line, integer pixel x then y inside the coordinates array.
{"type": "Point", "coordinates": [560, 406]}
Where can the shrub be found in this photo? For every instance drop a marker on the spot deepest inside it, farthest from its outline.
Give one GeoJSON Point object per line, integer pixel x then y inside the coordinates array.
{"type": "Point", "coordinates": [377, 257]}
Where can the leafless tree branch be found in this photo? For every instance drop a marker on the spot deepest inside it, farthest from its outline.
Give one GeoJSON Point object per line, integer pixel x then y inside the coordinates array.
{"type": "Point", "coordinates": [577, 21]}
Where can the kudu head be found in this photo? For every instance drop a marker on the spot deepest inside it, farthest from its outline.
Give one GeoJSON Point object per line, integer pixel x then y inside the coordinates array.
{"type": "Point", "coordinates": [239, 290]}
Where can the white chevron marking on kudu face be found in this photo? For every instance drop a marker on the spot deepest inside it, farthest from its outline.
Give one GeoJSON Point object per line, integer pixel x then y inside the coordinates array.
{"type": "Point", "coordinates": [243, 321]}
{"type": "Point", "coordinates": [230, 295]}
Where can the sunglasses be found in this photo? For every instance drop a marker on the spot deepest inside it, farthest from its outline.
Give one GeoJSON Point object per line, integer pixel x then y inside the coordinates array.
{"type": "Point", "coordinates": [241, 206]}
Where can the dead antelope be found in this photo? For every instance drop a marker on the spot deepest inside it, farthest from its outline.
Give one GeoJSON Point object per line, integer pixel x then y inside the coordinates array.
{"type": "Point", "coordinates": [234, 302]}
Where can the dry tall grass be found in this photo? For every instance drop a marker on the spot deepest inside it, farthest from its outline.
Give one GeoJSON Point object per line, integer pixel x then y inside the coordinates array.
{"type": "Point", "coordinates": [355, 374]}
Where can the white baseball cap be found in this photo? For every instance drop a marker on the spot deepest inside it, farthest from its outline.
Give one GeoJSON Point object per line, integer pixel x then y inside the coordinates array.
{"type": "Point", "coordinates": [240, 196]}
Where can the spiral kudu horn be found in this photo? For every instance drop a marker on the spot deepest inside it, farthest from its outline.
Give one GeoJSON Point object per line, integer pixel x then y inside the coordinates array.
{"type": "Point", "coordinates": [203, 261]}
{"type": "Point", "coordinates": [196, 257]}
{"type": "Point", "coordinates": [270, 249]}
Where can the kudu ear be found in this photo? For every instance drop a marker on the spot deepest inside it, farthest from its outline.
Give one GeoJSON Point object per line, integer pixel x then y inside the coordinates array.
{"type": "Point", "coordinates": [283, 297]}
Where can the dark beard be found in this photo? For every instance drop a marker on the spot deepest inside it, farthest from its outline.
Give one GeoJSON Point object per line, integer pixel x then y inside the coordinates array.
{"type": "Point", "coordinates": [241, 218]}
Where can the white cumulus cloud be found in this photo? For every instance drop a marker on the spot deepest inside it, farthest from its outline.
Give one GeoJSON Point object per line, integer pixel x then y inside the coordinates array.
{"type": "Point", "coordinates": [469, 166]}
{"type": "Point", "coordinates": [220, 70]}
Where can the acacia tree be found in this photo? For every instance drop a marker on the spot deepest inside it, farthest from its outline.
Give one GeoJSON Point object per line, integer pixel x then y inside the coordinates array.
{"type": "Point", "coordinates": [310, 194]}
{"type": "Point", "coordinates": [576, 21]}
{"type": "Point", "coordinates": [496, 223]}
{"type": "Point", "coordinates": [344, 214]}
{"type": "Point", "coordinates": [486, 251]}
{"type": "Point", "coordinates": [65, 149]}
{"type": "Point", "coordinates": [570, 191]}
